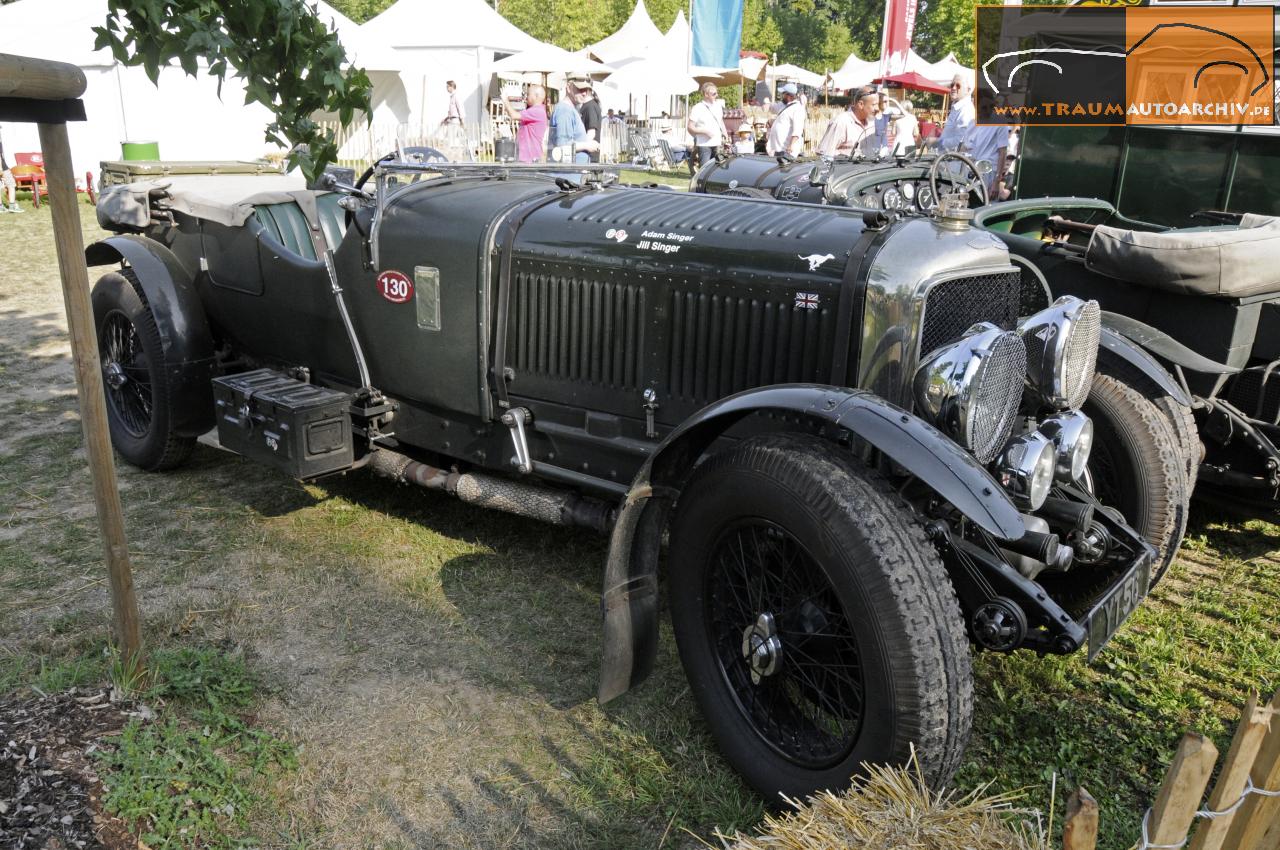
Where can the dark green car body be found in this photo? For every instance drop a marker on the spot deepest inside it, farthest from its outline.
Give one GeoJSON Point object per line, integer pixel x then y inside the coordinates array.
{"type": "Point", "coordinates": [1157, 175]}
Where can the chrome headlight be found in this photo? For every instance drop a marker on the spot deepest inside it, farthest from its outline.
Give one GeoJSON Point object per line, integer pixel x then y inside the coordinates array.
{"type": "Point", "coordinates": [1072, 436]}
{"type": "Point", "coordinates": [1062, 350]}
{"type": "Point", "coordinates": [1025, 469]}
{"type": "Point", "coordinates": [971, 388]}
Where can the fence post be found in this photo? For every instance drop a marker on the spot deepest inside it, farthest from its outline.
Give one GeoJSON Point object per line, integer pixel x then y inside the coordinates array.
{"type": "Point", "coordinates": [1080, 829]}
{"type": "Point", "coordinates": [1255, 825]}
{"type": "Point", "coordinates": [1235, 770]}
{"type": "Point", "coordinates": [1180, 795]}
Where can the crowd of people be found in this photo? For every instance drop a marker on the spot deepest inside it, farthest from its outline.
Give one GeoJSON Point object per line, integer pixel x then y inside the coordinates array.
{"type": "Point", "coordinates": [873, 124]}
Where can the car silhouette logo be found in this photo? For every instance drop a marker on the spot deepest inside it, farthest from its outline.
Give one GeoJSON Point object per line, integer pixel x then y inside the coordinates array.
{"type": "Point", "coordinates": [1039, 52]}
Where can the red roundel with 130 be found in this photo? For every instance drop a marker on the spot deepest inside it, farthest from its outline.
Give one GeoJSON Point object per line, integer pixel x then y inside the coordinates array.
{"type": "Point", "coordinates": [395, 287]}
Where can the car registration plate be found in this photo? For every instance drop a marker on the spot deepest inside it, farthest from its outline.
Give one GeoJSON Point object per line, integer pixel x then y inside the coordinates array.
{"type": "Point", "coordinates": [1114, 608]}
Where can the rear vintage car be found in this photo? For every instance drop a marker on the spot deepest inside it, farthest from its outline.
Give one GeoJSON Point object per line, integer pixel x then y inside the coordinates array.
{"type": "Point", "coordinates": [863, 459]}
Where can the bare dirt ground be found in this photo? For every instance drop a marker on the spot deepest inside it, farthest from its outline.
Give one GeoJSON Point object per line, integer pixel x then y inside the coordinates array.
{"type": "Point", "coordinates": [435, 665]}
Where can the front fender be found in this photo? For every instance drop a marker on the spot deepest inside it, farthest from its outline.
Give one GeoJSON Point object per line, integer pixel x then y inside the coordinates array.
{"type": "Point", "coordinates": [185, 337]}
{"type": "Point", "coordinates": [630, 594]}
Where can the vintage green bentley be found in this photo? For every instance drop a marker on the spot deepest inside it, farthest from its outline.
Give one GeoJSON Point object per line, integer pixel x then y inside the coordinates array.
{"type": "Point", "coordinates": [1137, 464]}
{"type": "Point", "coordinates": [862, 437]}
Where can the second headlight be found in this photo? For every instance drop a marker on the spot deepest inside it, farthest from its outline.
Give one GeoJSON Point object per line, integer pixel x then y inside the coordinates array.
{"type": "Point", "coordinates": [1062, 350]}
{"type": "Point", "coordinates": [1072, 436]}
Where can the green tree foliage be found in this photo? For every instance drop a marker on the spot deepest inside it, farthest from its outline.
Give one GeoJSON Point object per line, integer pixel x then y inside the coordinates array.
{"type": "Point", "coordinates": [289, 61]}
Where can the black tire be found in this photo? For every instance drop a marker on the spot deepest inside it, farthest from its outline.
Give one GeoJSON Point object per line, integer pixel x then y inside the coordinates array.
{"type": "Point", "coordinates": [1138, 465]}
{"type": "Point", "coordinates": [1179, 416]}
{"type": "Point", "coordinates": [747, 192]}
{"type": "Point", "coordinates": [135, 376]}
{"type": "Point", "coordinates": [852, 579]}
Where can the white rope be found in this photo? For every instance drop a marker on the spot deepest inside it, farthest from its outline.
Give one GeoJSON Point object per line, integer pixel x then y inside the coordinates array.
{"type": "Point", "coordinates": [1146, 839]}
{"type": "Point", "coordinates": [1249, 788]}
{"type": "Point", "coordinates": [1209, 814]}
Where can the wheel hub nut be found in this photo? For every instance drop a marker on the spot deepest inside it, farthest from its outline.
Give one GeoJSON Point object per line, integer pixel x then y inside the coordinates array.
{"type": "Point", "coordinates": [762, 648]}
{"type": "Point", "coordinates": [115, 375]}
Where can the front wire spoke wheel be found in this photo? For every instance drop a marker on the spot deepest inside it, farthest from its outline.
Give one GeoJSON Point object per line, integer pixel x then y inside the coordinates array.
{"type": "Point", "coordinates": [807, 715]}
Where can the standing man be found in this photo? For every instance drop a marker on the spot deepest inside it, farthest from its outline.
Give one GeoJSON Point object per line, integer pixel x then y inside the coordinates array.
{"type": "Point", "coordinates": [530, 137]}
{"type": "Point", "coordinates": [960, 121]}
{"type": "Point", "coordinates": [706, 125]}
{"type": "Point", "coordinates": [455, 116]}
{"type": "Point", "coordinates": [991, 143]}
{"type": "Point", "coordinates": [455, 141]}
{"type": "Point", "coordinates": [10, 186]}
{"type": "Point", "coordinates": [853, 132]}
{"type": "Point", "coordinates": [589, 112]}
{"type": "Point", "coordinates": [786, 136]}
{"type": "Point", "coordinates": [884, 123]}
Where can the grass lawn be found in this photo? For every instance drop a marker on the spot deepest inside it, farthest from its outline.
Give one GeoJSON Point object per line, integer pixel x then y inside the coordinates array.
{"type": "Point", "coordinates": [423, 673]}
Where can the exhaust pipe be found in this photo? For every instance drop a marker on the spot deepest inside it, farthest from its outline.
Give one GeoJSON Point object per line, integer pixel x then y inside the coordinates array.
{"type": "Point", "coordinates": [558, 507]}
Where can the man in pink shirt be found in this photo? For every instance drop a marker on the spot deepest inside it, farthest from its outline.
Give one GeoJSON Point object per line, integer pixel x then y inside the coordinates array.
{"type": "Point", "coordinates": [531, 143]}
{"type": "Point", "coordinates": [854, 129]}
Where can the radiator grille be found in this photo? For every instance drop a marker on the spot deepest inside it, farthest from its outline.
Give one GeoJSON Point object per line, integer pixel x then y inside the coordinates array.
{"type": "Point", "coordinates": [952, 306]}
{"type": "Point", "coordinates": [721, 344]}
{"type": "Point", "coordinates": [577, 329]}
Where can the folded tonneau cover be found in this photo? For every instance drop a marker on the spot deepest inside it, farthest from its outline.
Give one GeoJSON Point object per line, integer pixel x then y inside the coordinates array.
{"type": "Point", "coordinates": [1221, 262]}
{"type": "Point", "coordinates": [223, 192]}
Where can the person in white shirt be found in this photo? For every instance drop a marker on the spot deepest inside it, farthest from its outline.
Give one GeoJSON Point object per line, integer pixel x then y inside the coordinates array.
{"type": "Point", "coordinates": [787, 133]}
{"type": "Point", "coordinates": [706, 124]}
{"type": "Point", "coordinates": [745, 143]}
{"type": "Point", "coordinates": [961, 119]}
{"type": "Point", "coordinates": [854, 130]}
{"type": "Point", "coordinates": [906, 130]}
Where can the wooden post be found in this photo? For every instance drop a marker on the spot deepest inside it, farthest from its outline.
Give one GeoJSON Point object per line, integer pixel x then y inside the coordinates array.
{"type": "Point", "coordinates": [1080, 829]}
{"type": "Point", "coordinates": [1184, 784]}
{"type": "Point", "coordinates": [1256, 826]}
{"type": "Point", "coordinates": [42, 80]}
{"type": "Point", "coordinates": [1254, 724]}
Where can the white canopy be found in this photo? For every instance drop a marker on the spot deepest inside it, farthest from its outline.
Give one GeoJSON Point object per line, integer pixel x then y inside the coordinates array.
{"type": "Point", "coordinates": [635, 38]}
{"type": "Point", "coordinates": [184, 114]}
{"type": "Point", "coordinates": [855, 72]}
{"type": "Point", "coordinates": [431, 25]}
{"type": "Point", "coordinates": [796, 74]}
{"type": "Point", "coordinates": [549, 59]}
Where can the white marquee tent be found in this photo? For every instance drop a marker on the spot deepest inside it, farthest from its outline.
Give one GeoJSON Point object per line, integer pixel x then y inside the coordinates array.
{"type": "Point", "coordinates": [184, 114]}
{"type": "Point", "coordinates": [435, 42]}
{"type": "Point", "coordinates": [637, 37]}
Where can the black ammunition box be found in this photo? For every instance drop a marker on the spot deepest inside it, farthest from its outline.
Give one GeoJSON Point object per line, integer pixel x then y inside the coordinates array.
{"type": "Point", "coordinates": [299, 428]}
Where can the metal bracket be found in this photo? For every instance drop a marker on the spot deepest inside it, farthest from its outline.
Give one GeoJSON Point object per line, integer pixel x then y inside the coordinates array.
{"type": "Point", "coordinates": [650, 408]}
{"type": "Point", "coordinates": [515, 419]}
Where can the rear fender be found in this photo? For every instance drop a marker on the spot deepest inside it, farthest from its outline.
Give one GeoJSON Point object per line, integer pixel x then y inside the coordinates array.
{"type": "Point", "coordinates": [185, 337]}
{"type": "Point", "coordinates": [630, 593]}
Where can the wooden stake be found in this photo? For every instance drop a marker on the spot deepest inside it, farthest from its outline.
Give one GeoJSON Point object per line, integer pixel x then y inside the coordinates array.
{"type": "Point", "coordinates": [1183, 788]}
{"type": "Point", "coordinates": [1255, 826]}
{"type": "Point", "coordinates": [93, 408]}
{"type": "Point", "coordinates": [1080, 829]}
{"type": "Point", "coordinates": [1253, 727]}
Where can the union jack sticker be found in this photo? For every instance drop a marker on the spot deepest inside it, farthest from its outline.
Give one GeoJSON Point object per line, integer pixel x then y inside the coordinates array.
{"type": "Point", "coordinates": [806, 300]}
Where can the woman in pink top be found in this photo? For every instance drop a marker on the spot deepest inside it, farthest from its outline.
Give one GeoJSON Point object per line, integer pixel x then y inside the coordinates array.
{"type": "Point", "coordinates": [531, 137]}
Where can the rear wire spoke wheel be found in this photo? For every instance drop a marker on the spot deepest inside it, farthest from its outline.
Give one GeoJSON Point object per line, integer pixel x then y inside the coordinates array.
{"type": "Point", "coordinates": [134, 376]}
{"type": "Point", "coordinates": [816, 624]}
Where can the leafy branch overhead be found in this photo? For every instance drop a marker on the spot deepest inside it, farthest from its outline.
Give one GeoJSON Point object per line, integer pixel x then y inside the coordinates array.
{"type": "Point", "coordinates": [291, 63]}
